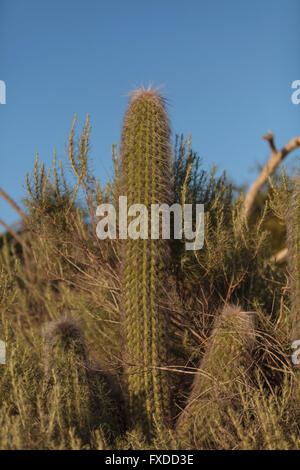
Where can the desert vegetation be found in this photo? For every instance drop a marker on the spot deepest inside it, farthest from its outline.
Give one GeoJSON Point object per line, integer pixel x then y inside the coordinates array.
{"type": "Point", "coordinates": [142, 344]}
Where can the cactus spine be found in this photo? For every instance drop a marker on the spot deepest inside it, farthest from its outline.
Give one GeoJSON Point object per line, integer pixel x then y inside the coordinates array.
{"type": "Point", "coordinates": [145, 164]}
{"type": "Point", "coordinates": [293, 241]}
{"type": "Point", "coordinates": [222, 370]}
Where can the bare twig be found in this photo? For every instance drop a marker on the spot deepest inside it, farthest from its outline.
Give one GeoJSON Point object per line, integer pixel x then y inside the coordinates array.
{"type": "Point", "coordinates": [274, 161]}
{"type": "Point", "coordinates": [13, 204]}
{"type": "Point", "coordinates": [15, 235]}
{"type": "Point", "coordinates": [280, 257]}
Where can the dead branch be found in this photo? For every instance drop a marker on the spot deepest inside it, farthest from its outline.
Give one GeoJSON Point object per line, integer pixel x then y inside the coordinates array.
{"type": "Point", "coordinates": [280, 257]}
{"type": "Point", "coordinates": [15, 235]}
{"type": "Point", "coordinates": [274, 161]}
{"type": "Point", "coordinates": [13, 204]}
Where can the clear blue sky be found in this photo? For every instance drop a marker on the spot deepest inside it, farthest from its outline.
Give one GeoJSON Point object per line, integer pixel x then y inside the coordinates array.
{"type": "Point", "coordinates": [227, 67]}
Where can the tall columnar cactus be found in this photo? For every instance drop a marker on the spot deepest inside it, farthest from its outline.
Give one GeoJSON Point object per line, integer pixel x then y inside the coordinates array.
{"type": "Point", "coordinates": [293, 239]}
{"type": "Point", "coordinates": [223, 370]}
{"type": "Point", "coordinates": [145, 165]}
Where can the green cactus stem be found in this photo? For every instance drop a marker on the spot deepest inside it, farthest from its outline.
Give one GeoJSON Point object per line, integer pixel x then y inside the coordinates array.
{"type": "Point", "coordinates": [222, 370]}
{"type": "Point", "coordinates": [145, 166]}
